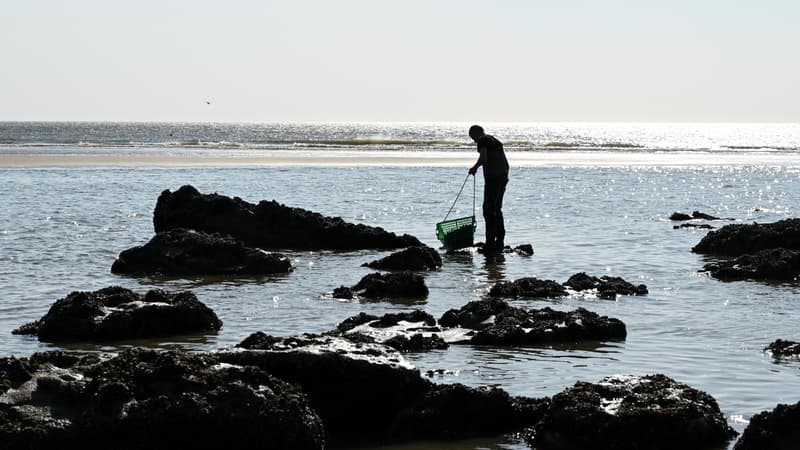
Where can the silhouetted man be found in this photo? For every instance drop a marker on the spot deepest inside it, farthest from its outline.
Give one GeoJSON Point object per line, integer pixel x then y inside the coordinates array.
{"type": "Point", "coordinates": [495, 175]}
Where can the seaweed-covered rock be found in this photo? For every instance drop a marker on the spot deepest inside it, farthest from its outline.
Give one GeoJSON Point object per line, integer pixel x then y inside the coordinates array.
{"type": "Point", "coordinates": [115, 313]}
{"type": "Point", "coordinates": [269, 224]}
{"type": "Point", "coordinates": [771, 264]}
{"type": "Point", "coordinates": [528, 287]}
{"type": "Point", "coordinates": [416, 342]}
{"type": "Point", "coordinates": [524, 249]}
{"type": "Point", "coordinates": [386, 285]}
{"type": "Point", "coordinates": [607, 287]}
{"type": "Point", "coordinates": [772, 430]}
{"type": "Point", "coordinates": [188, 252]}
{"type": "Point", "coordinates": [740, 239]}
{"type": "Point", "coordinates": [369, 393]}
{"type": "Point", "coordinates": [497, 323]}
{"type": "Point", "coordinates": [417, 258]}
{"type": "Point", "coordinates": [631, 413]}
{"type": "Point", "coordinates": [148, 399]}
{"type": "Point", "coordinates": [781, 348]}
{"type": "Point", "coordinates": [679, 216]}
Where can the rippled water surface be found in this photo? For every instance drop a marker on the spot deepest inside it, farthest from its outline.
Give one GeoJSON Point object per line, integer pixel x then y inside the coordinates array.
{"type": "Point", "coordinates": [60, 230]}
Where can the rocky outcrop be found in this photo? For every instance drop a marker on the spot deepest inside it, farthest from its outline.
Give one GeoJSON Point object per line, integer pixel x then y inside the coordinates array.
{"type": "Point", "coordinates": [606, 287]}
{"type": "Point", "coordinates": [116, 313]}
{"type": "Point", "coordinates": [418, 258]}
{"type": "Point", "coordinates": [414, 331]}
{"type": "Point", "coordinates": [269, 224]}
{"type": "Point", "coordinates": [781, 348]}
{"type": "Point", "coordinates": [679, 216]}
{"type": "Point", "coordinates": [368, 393]}
{"type": "Point", "coordinates": [772, 264]}
{"type": "Point", "coordinates": [772, 430]}
{"type": "Point", "coordinates": [631, 413]}
{"type": "Point", "coordinates": [740, 239]}
{"type": "Point", "coordinates": [528, 287]}
{"type": "Point", "coordinates": [497, 323]}
{"type": "Point", "coordinates": [147, 399]}
{"type": "Point", "coordinates": [385, 285]}
{"type": "Point", "coordinates": [187, 252]}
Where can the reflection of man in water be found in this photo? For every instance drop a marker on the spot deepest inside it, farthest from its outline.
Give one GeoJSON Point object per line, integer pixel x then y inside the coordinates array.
{"type": "Point", "coordinates": [495, 175]}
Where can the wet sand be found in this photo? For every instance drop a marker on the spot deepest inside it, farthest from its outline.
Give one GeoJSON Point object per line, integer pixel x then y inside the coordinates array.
{"type": "Point", "coordinates": [393, 158]}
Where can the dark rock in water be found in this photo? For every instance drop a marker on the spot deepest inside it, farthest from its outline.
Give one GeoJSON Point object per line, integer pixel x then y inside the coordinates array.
{"type": "Point", "coordinates": [704, 216]}
{"type": "Point", "coordinates": [528, 287]}
{"type": "Point", "coordinates": [740, 239]}
{"type": "Point", "coordinates": [188, 252]}
{"type": "Point", "coordinates": [368, 393]}
{"type": "Point", "coordinates": [524, 249]}
{"type": "Point", "coordinates": [475, 314]}
{"type": "Point", "coordinates": [116, 313]}
{"type": "Point", "coordinates": [147, 399]}
{"type": "Point", "coordinates": [474, 410]}
{"type": "Point", "coordinates": [680, 216]}
{"type": "Point", "coordinates": [343, 292]}
{"type": "Point", "coordinates": [408, 331]}
{"type": "Point", "coordinates": [695, 215]}
{"type": "Point", "coordinates": [632, 413]}
{"type": "Point", "coordinates": [497, 323]}
{"type": "Point", "coordinates": [772, 430]}
{"type": "Point", "coordinates": [781, 348]}
{"type": "Point", "coordinates": [269, 224]}
{"type": "Point", "coordinates": [517, 326]}
{"type": "Point", "coordinates": [607, 287]}
{"type": "Point", "coordinates": [416, 343]}
{"type": "Point", "coordinates": [417, 258]}
{"type": "Point", "coordinates": [771, 264]}
{"type": "Point", "coordinates": [701, 226]}
{"type": "Point", "coordinates": [387, 285]}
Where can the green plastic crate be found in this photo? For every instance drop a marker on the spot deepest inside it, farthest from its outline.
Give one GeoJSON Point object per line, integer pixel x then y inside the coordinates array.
{"type": "Point", "coordinates": [457, 233]}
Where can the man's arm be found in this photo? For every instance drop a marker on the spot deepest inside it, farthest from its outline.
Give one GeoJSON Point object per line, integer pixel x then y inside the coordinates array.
{"type": "Point", "coordinates": [479, 162]}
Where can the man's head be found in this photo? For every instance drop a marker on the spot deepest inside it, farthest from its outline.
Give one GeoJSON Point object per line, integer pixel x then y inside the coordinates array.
{"type": "Point", "coordinates": [475, 132]}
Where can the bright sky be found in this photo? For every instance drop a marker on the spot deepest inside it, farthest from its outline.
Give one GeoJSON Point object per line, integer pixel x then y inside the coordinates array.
{"type": "Point", "coordinates": [409, 60]}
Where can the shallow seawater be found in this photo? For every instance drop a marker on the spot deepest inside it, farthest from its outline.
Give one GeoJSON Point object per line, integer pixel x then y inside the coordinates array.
{"type": "Point", "coordinates": [60, 230]}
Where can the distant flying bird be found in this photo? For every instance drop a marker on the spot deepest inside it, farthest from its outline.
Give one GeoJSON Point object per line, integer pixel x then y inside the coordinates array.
{"type": "Point", "coordinates": [208, 102]}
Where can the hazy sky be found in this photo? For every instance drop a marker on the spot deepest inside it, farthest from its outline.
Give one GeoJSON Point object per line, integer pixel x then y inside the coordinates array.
{"type": "Point", "coordinates": [410, 60]}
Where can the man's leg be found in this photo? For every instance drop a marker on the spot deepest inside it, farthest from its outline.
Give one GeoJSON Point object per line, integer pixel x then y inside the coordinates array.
{"type": "Point", "coordinates": [490, 197]}
{"type": "Point", "coordinates": [500, 227]}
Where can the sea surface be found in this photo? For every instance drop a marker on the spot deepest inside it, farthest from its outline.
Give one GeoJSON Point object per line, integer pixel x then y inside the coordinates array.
{"type": "Point", "coordinates": [61, 228]}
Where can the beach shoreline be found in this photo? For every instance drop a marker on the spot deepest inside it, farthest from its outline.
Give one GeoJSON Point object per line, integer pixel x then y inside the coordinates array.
{"type": "Point", "coordinates": [280, 158]}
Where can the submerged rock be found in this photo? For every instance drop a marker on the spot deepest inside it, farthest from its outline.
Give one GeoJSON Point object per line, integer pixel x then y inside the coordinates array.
{"type": "Point", "coordinates": [151, 399]}
{"type": "Point", "coordinates": [679, 216]}
{"type": "Point", "coordinates": [497, 323]}
{"type": "Point", "coordinates": [188, 252]}
{"type": "Point", "coordinates": [269, 224]}
{"type": "Point", "coordinates": [388, 285]}
{"type": "Point", "coordinates": [631, 413]}
{"type": "Point", "coordinates": [528, 287]}
{"type": "Point", "coordinates": [771, 264]}
{"type": "Point", "coordinates": [369, 393]}
{"type": "Point", "coordinates": [607, 287]}
{"type": "Point", "coordinates": [781, 348]}
{"type": "Point", "coordinates": [416, 258]}
{"type": "Point", "coordinates": [115, 313]}
{"type": "Point", "coordinates": [702, 226]}
{"type": "Point", "coordinates": [740, 239]}
{"type": "Point", "coordinates": [772, 430]}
